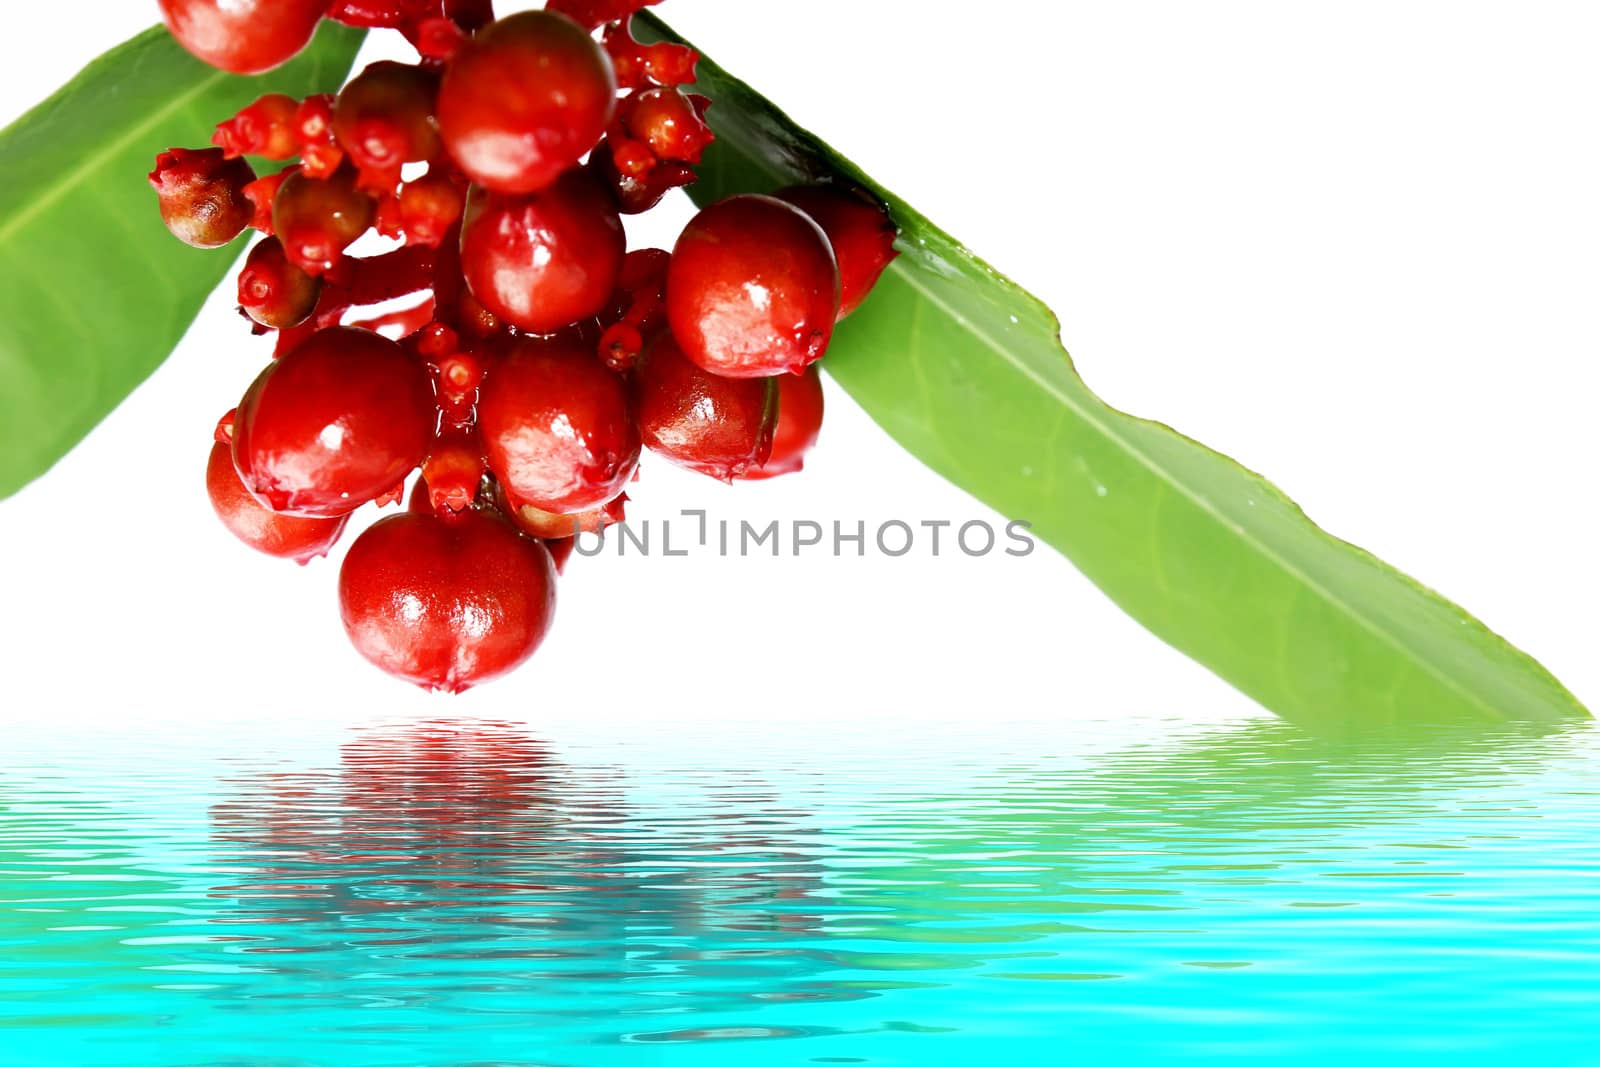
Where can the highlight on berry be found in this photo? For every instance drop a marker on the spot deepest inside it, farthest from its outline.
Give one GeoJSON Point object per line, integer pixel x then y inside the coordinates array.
{"type": "Point", "coordinates": [535, 356]}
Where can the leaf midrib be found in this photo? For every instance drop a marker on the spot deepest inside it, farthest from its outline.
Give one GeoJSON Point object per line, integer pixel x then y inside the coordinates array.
{"type": "Point", "coordinates": [98, 160]}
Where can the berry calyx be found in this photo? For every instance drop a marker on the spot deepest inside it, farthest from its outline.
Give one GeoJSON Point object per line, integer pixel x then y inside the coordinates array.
{"type": "Point", "coordinates": [799, 422]}
{"type": "Point", "coordinates": [718, 426]}
{"type": "Point", "coordinates": [453, 471]}
{"type": "Point", "coordinates": [318, 218]}
{"type": "Point", "coordinates": [557, 426]}
{"type": "Point", "coordinates": [202, 195]}
{"type": "Point", "coordinates": [333, 423]}
{"type": "Point", "coordinates": [243, 36]}
{"type": "Point", "coordinates": [273, 291]}
{"type": "Point", "coordinates": [265, 530]}
{"type": "Point", "coordinates": [858, 229]}
{"type": "Point", "coordinates": [753, 288]}
{"type": "Point", "coordinates": [446, 604]}
{"type": "Point", "coordinates": [525, 100]}
{"type": "Point", "coordinates": [384, 119]}
{"type": "Point", "coordinates": [543, 261]}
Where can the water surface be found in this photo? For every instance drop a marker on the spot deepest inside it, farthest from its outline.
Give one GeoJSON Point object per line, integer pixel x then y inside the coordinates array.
{"type": "Point", "coordinates": [474, 893]}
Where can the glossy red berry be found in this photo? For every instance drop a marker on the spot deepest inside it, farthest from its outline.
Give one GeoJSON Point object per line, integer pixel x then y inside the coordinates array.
{"type": "Point", "coordinates": [446, 604]}
{"type": "Point", "coordinates": [318, 218]}
{"type": "Point", "coordinates": [284, 536]}
{"type": "Point", "coordinates": [384, 118]}
{"type": "Point", "coordinates": [243, 36]}
{"type": "Point", "coordinates": [525, 101]}
{"type": "Point", "coordinates": [334, 423]}
{"type": "Point", "coordinates": [707, 423]}
{"type": "Point", "coordinates": [753, 288]}
{"type": "Point", "coordinates": [202, 195]}
{"type": "Point", "coordinates": [273, 291]}
{"type": "Point", "coordinates": [557, 426]}
{"type": "Point", "coordinates": [799, 423]}
{"type": "Point", "coordinates": [858, 229]}
{"type": "Point", "coordinates": [543, 261]}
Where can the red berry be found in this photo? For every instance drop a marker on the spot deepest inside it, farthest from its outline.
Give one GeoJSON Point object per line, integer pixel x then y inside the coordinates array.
{"type": "Point", "coordinates": [753, 289]}
{"type": "Point", "coordinates": [446, 604]}
{"type": "Point", "coordinates": [202, 195]}
{"type": "Point", "coordinates": [284, 536]}
{"type": "Point", "coordinates": [636, 194]}
{"type": "Point", "coordinates": [544, 261]}
{"type": "Point", "coordinates": [384, 118]}
{"type": "Point", "coordinates": [318, 218]}
{"type": "Point", "coordinates": [265, 128]}
{"type": "Point", "coordinates": [273, 291]}
{"type": "Point", "coordinates": [334, 423]}
{"type": "Point", "coordinates": [525, 101]}
{"type": "Point", "coordinates": [557, 426]}
{"type": "Point", "coordinates": [799, 421]}
{"type": "Point", "coordinates": [243, 36]}
{"type": "Point", "coordinates": [667, 121]}
{"type": "Point", "coordinates": [858, 228]}
{"type": "Point", "coordinates": [714, 425]}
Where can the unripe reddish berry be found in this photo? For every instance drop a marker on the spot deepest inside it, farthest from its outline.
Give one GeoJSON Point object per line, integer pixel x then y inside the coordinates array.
{"type": "Point", "coordinates": [243, 36]}
{"type": "Point", "coordinates": [265, 128]}
{"type": "Point", "coordinates": [714, 425]}
{"type": "Point", "coordinates": [318, 218]}
{"type": "Point", "coordinates": [273, 291]}
{"type": "Point", "coordinates": [202, 195]}
{"type": "Point", "coordinates": [446, 604]}
{"type": "Point", "coordinates": [333, 423]}
{"type": "Point", "coordinates": [265, 530]}
{"type": "Point", "coordinates": [753, 288]}
{"type": "Point", "coordinates": [557, 426]}
{"type": "Point", "coordinates": [636, 194]}
{"type": "Point", "coordinates": [384, 118]}
{"type": "Point", "coordinates": [799, 422]}
{"type": "Point", "coordinates": [859, 231]}
{"type": "Point", "coordinates": [669, 122]}
{"type": "Point", "coordinates": [543, 261]}
{"type": "Point", "coordinates": [525, 100]}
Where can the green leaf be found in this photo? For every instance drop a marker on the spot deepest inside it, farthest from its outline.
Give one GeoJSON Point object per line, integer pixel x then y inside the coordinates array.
{"type": "Point", "coordinates": [97, 292]}
{"type": "Point", "coordinates": [967, 371]}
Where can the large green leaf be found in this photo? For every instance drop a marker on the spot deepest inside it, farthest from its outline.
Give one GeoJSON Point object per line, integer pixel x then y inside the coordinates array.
{"type": "Point", "coordinates": [967, 371]}
{"type": "Point", "coordinates": [96, 293]}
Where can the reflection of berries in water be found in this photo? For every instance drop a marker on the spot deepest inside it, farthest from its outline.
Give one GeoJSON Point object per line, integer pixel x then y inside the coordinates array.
{"type": "Point", "coordinates": [511, 348]}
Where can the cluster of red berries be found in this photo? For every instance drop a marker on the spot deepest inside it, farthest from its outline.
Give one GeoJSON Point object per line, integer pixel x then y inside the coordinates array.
{"type": "Point", "coordinates": [536, 355]}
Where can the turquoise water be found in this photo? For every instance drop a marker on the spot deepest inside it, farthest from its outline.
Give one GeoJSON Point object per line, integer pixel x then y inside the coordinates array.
{"type": "Point", "coordinates": [476, 893]}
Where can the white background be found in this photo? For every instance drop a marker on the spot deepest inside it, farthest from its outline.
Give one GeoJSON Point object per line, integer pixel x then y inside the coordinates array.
{"type": "Point", "coordinates": [1354, 245]}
